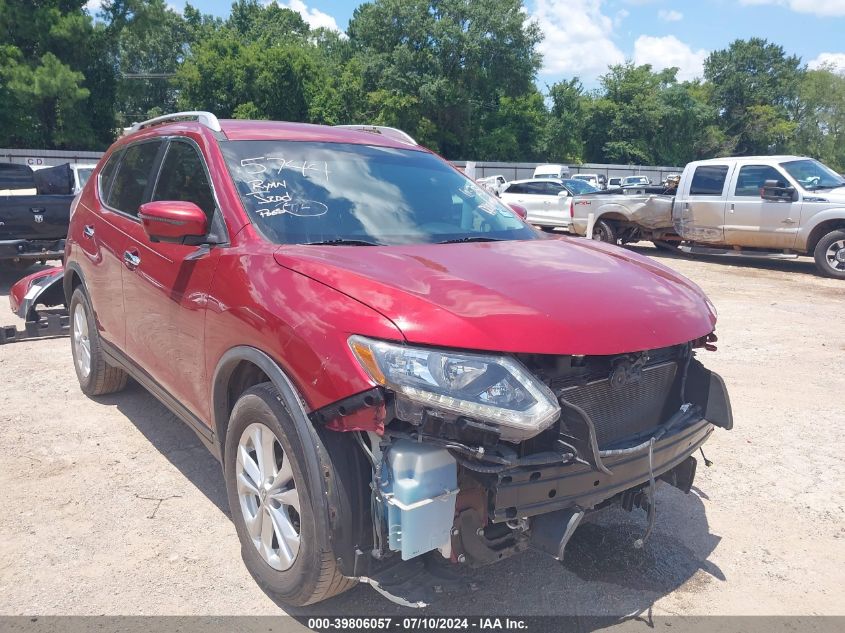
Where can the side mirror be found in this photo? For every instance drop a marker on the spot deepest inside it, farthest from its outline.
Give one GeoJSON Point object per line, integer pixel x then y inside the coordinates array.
{"type": "Point", "coordinates": [774, 192]}
{"type": "Point", "coordinates": [172, 220]}
{"type": "Point", "coordinates": [521, 211]}
{"type": "Point", "coordinates": [563, 194]}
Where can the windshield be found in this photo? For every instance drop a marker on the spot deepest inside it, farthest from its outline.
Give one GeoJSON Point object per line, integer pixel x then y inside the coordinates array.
{"type": "Point", "coordinates": [578, 186]}
{"type": "Point", "coordinates": [299, 192]}
{"type": "Point", "coordinates": [635, 180]}
{"type": "Point", "coordinates": [812, 175]}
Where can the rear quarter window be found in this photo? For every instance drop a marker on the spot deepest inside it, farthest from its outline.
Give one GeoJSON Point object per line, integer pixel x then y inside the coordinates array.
{"type": "Point", "coordinates": [708, 180]}
{"type": "Point", "coordinates": [107, 173]}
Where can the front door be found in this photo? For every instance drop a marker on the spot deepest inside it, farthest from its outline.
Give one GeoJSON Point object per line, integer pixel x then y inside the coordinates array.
{"type": "Point", "coordinates": [165, 287]}
{"type": "Point", "coordinates": [754, 222]}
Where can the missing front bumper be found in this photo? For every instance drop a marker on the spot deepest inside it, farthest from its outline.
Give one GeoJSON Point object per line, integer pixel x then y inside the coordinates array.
{"type": "Point", "coordinates": [534, 491]}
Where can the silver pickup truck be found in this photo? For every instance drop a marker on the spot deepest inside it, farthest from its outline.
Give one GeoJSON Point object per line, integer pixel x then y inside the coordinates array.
{"type": "Point", "coordinates": [752, 206]}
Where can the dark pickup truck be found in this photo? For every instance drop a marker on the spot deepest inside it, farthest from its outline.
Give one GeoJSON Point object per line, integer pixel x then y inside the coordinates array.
{"type": "Point", "coordinates": [34, 213]}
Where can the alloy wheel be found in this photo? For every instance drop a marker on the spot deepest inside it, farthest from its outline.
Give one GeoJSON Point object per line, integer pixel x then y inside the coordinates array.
{"type": "Point", "coordinates": [81, 340]}
{"type": "Point", "coordinates": [835, 256]}
{"type": "Point", "coordinates": [269, 498]}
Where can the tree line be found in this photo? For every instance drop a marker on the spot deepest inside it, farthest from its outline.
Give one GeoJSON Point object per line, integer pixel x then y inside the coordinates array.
{"type": "Point", "coordinates": [458, 75]}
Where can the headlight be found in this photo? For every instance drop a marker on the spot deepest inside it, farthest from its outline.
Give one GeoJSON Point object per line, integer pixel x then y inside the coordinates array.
{"type": "Point", "coordinates": [494, 389]}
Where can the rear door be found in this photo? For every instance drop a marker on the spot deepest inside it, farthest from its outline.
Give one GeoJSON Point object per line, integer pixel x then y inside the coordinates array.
{"type": "Point", "coordinates": [753, 221]}
{"type": "Point", "coordinates": [701, 217]}
{"type": "Point", "coordinates": [122, 186]}
{"type": "Point", "coordinates": [165, 285]}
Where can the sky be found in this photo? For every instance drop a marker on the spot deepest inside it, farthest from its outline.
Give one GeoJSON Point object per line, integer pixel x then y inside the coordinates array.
{"type": "Point", "coordinates": [583, 36]}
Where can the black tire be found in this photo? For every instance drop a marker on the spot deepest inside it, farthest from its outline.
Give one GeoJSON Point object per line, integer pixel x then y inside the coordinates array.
{"type": "Point", "coordinates": [669, 247]}
{"type": "Point", "coordinates": [102, 377]}
{"type": "Point", "coordinates": [604, 231]}
{"type": "Point", "coordinates": [314, 575]}
{"type": "Point", "coordinates": [836, 268]}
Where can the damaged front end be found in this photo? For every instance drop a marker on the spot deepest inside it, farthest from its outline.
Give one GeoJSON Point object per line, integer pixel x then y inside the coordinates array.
{"type": "Point", "coordinates": [476, 457]}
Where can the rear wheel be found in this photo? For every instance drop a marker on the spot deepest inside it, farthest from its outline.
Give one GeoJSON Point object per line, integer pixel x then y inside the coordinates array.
{"type": "Point", "coordinates": [96, 377]}
{"type": "Point", "coordinates": [276, 509]}
{"type": "Point", "coordinates": [830, 255]}
{"type": "Point", "coordinates": [604, 232]}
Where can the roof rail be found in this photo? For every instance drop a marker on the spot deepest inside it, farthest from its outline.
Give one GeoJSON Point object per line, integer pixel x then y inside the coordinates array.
{"type": "Point", "coordinates": [205, 118]}
{"type": "Point", "coordinates": [391, 132]}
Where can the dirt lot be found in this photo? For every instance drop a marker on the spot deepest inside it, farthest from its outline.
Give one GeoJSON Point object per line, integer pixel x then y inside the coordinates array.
{"type": "Point", "coordinates": [111, 506]}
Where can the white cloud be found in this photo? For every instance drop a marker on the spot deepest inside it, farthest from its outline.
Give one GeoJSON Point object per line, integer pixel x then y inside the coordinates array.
{"type": "Point", "coordinates": [314, 17]}
{"type": "Point", "coordinates": [670, 15]}
{"type": "Point", "coordinates": [834, 60]}
{"type": "Point", "coordinates": [669, 51]}
{"type": "Point", "coordinates": [816, 7]}
{"type": "Point", "coordinates": [577, 38]}
{"type": "Point", "coordinates": [93, 6]}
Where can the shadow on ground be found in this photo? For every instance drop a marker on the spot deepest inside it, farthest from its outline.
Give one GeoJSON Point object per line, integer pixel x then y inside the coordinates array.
{"type": "Point", "coordinates": [803, 265]}
{"type": "Point", "coordinates": [603, 574]}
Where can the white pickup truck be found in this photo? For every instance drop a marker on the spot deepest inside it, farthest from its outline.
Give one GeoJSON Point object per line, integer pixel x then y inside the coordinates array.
{"type": "Point", "coordinates": [752, 206]}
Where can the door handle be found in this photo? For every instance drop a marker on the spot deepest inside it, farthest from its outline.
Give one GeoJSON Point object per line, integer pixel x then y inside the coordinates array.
{"type": "Point", "coordinates": [788, 221]}
{"type": "Point", "coordinates": [732, 207]}
{"type": "Point", "coordinates": [88, 231]}
{"type": "Point", "coordinates": [132, 260]}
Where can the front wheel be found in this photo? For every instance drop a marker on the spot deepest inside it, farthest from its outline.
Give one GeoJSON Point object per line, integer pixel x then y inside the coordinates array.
{"type": "Point", "coordinates": [830, 255]}
{"type": "Point", "coordinates": [273, 504]}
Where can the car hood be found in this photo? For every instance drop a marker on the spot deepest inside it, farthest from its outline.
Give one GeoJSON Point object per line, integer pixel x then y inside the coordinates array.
{"type": "Point", "coordinates": [550, 296]}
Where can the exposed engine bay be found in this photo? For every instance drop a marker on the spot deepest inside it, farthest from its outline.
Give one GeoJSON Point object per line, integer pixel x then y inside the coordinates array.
{"type": "Point", "coordinates": [473, 491]}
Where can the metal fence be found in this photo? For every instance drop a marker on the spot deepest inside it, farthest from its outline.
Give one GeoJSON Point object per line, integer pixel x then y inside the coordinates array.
{"type": "Point", "coordinates": [511, 171]}
{"type": "Point", "coordinates": [47, 157]}
{"type": "Point", "coordinates": [518, 171]}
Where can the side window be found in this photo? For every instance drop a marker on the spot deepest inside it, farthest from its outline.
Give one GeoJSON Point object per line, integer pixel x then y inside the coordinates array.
{"type": "Point", "coordinates": [107, 173]}
{"type": "Point", "coordinates": [708, 180]}
{"type": "Point", "coordinates": [184, 178]}
{"type": "Point", "coordinates": [534, 188]}
{"type": "Point", "coordinates": [553, 189]}
{"type": "Point", "coordinates": [130, 182]}
{"type": "Point", "coordinates": [516, 188]}
{"type": "Point", "coordinates": [751, 179]}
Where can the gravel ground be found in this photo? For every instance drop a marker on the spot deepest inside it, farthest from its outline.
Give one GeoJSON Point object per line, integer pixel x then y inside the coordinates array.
{"type": "Point", "coordinates": [112, 506]}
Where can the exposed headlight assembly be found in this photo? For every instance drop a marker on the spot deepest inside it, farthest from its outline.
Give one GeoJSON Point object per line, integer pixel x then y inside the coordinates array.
{"type": "Point", "coordinates": [494, 389]}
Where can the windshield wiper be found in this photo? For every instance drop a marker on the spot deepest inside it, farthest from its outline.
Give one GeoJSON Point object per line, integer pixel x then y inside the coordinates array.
{"type": "Point", "coordinates": [477, 238]}
{"type": "Point", "coordinates": [342, 242]}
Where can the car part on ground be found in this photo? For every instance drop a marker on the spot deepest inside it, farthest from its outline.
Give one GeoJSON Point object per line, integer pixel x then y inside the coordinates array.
{"type": "Point", "coordinates": [43, 288]}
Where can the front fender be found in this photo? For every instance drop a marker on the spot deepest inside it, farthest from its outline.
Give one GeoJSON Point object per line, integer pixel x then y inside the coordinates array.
{"type": "Point", "coordinates": [811, 223]}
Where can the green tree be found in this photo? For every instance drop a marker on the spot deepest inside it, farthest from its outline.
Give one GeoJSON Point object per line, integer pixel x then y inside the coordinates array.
{"type": "Point", "coordinates": [564, 137]}
{"type": "Point", "coordinates": [445, 65]}
{"type": "Point", "coordinates": [56, 78]}
{"type": "Point", "coordinates": [755, 87]}
{"type": "Point", "coordinates": [820, 129]}
{"type": "Point", "coordinates": [150, 40]}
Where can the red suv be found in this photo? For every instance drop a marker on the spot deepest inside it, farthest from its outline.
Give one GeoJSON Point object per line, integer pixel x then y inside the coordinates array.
{"type": "Point", "coordinates": [401, 378]}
